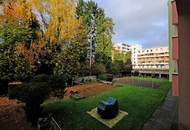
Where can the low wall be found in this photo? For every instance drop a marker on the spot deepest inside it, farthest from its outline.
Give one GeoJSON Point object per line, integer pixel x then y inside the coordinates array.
{"type": "Point", "coordinates": [87, 78]}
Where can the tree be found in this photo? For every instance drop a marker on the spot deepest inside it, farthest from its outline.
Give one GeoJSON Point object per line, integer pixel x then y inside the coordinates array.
{"type": "Point", "coordinates": [41, 38]}
{"type": "Point", "coordinates": [63, 33]}
{"type": "Point", "coordinates": [67, 63]}
{"type": "Point", "coordinates": [121, 62]}
{"type": "Point", "coordinates": [102, 42]}
{"type": "Point", "coordinates": [104, 34]}
{"type": "Point", "coordinates": [62, 25]}
{"type": "Point", "coordinates": [13, 67]}
{"type": "Point", "coordinates": [18, 24]}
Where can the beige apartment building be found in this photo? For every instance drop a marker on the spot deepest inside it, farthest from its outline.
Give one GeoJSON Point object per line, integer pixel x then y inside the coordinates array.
{"type": "Point", "coordinates": [151, 61]}
{"type": "Point", "coordinates": [153, 58]}
{"type": "Point", "coordinates": [122, 47]}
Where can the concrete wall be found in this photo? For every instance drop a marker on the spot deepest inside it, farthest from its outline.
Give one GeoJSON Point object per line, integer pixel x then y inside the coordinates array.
{"type": "Point", "coordinates": [170, 39]}
{"type": "Point", "coordinates": [184, 71]}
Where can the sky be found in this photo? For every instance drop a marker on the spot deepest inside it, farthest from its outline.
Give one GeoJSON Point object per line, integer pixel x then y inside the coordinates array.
{"type": "Point", "coordinates": [138, 21]}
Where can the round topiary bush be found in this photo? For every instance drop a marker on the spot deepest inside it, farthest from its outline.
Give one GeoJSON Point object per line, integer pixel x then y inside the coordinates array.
{"type": "Point", "coordinates": [106, 77]}
{"type": "Point", "coordinates": [34, 94]}
{"type": "Point", "coordinates": [57, 82]}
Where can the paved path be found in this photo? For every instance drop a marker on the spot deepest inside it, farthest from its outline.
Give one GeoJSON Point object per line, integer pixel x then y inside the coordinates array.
{"type": "Point", "coordinates": [165, 116]}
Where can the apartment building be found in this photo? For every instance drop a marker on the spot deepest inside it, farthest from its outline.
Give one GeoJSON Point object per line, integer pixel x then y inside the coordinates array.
{"type": "Point", "coordinates": [149, 59]}
{"type": "Point", "coordinates": [134, 54]}
{"type": "Point", "coordinates": [153, 58]}
{"type": "Point", "coordinates": [122, 47]}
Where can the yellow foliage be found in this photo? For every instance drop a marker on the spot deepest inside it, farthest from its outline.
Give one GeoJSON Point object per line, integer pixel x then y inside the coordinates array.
{"type": "Point", "coordinates": [17, 10]}
{"type": "Point", "coordinates": [63, 24]}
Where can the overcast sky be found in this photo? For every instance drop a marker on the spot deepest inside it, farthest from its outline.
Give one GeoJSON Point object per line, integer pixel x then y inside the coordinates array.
{"type": "Point", "coordinates": [138, 21]}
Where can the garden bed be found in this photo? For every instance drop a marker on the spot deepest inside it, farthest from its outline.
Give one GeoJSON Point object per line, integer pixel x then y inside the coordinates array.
{"type": "Point", "coordinates": [12, 115]}
{"type": "Point", "coordinates": [87, 90]}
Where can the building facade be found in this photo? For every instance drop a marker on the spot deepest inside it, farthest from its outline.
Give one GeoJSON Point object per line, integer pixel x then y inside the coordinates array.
{"type": "Point", "coordinates": [122, 47]}
{"type": "Point", "coordinates": [134, 54]}
{"type": "Point", "coordinates": [153, 58]}
{"type": "Point", "coordinates": [179, 26]}
{"type": "Point", "coordinates": [150, 61]}
{"type": "Point", "coordinates": [173, 47]}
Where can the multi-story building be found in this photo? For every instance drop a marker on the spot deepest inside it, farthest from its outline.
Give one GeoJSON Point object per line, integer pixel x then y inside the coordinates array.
{"type": "Point", "coordinates": [122, 47]}
{"type": "Point", "coordinates": [150, 61]}
{"type": "Point", "coordinates": [134, 53]}
{"type": "Point", "coordinates": [146, 60]}
{"type": "Point", "coordinates": [153, 58]}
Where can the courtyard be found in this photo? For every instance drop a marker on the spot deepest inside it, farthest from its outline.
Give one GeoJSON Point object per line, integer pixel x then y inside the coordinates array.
{"type": "Point", "coordinates": [138, 102]}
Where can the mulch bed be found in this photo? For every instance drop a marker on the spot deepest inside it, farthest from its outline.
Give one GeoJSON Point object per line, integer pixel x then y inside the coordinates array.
{"type": "Point", "coordinates": [87, 90]}
{"type": "Point", "coordinates": [12, 115]}
{"type": "Point", "coordinates": [5, 101]}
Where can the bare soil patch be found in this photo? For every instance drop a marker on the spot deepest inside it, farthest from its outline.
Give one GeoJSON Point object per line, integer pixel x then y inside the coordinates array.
{"type": "Point", "coordinates": [12, 115]}
{"type": "Point", "coordinates": [87, 90]}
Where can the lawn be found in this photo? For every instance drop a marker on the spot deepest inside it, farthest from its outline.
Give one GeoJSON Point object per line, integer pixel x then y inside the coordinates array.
{"type": "Point", "coordinates": [139, 102]}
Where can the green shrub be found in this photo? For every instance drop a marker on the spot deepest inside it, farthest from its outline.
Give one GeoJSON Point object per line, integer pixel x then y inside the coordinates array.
{"type": "Point", "coordinates": [136, 73]}
{"type": "Point", "coordinates": [82, 81]}
{"type": "Point", "coordinates": [41, 78]}
{"type": "Point", "coordinates": [102, 77]}
{"type": "Point", "coordinates": [34, 94]}
{"type": "Point", "coordinates": [107, 77]}
{"type": "Point", "coordinates": [14, 90]}
{"type": "Point", "coordinates": [3, 87]}
{"type": "Point", "coordinates": [57, 82]}
{"type": "Point", "coordinates": [98, 69]}
{"type": "Point", "coordinates": [12, 66]}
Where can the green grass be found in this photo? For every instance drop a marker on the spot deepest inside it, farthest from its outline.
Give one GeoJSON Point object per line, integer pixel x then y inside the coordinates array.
{"type": "Point", "coordinates": [140, 103]}
{"type": "Point", "coordinates": [149, 79]}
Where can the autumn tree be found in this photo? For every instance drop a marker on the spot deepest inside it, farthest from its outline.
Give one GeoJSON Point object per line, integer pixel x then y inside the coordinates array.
{"type": "Point", "coordinates": [64, 33]}
{"type": "Point", "coordinates": [17, 25]}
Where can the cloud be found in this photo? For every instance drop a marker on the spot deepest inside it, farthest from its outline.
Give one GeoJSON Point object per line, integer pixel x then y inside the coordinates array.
{"type": "Point", "coordinates": [142, 21]}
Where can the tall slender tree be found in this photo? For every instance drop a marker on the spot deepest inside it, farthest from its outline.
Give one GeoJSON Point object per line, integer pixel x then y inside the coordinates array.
{"type": "Point", "coordinates": [101, 30]}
